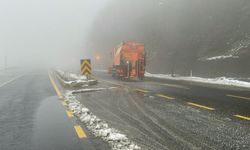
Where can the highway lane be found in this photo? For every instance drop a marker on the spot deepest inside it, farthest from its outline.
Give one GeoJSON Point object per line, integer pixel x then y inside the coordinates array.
{"type": "Point", "coordinates": [9, 75]}
{"type": "Point", "coordinates": [33, 118]}
{"type": "Point", "coordinates": [168, 115]}
{"type": "Point", "coordinates": [221, 100]}
{"type": "Point", "coordinates": [226, 101]}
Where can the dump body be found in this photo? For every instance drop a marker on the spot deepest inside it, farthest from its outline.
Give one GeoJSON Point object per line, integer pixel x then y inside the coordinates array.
{"type": "Point", "coordinates": [129, 60]}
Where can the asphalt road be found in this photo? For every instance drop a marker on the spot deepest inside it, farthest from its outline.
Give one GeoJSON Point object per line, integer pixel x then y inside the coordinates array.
{"type": "Point", "coordinates": [223, 100]}
{"type": "Point", "coordinates": [155, 114]}
{"type": "Point", "coordinates": [173, 115]}
{"type": "Point", "coordinates": [32, 117]}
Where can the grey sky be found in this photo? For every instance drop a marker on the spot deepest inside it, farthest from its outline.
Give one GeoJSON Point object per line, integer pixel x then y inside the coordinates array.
{"type": "Point", "coordinates": [45, 30]}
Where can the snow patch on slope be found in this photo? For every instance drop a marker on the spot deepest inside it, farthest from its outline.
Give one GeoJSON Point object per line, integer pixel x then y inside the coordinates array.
{"type": "Point", "coordinates": [222, 57]}
{"type": "Point", "coordinates": [237, 47]}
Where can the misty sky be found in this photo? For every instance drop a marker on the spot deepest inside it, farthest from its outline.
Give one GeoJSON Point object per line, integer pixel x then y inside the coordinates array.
{"type": "Point", "coordinates": [45, 30]}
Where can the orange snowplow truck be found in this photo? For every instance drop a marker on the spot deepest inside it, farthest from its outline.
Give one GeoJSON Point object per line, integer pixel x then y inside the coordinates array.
{"type": "Point", "coordinates": [129, 61]}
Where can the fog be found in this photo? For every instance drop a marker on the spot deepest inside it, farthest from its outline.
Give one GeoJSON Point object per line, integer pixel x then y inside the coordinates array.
{"type": "Point", "coordinates": [45, 32]}
{"type": "Point", "coordinates": [181, 34]}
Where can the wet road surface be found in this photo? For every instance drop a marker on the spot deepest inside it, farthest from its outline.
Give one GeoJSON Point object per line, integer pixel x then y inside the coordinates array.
{"type": "Point", "coordinates": [167, 115]}
{"type": "Point", "coordinates": [225, 101]}
{"type": "Point", "coordinates": [32, 117]}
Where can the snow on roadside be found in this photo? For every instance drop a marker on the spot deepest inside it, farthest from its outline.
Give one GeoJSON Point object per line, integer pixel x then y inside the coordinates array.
{"type": "Point", "coordinates": [219, 80]}
{"type": "Point", "coordinates": [79, 82]}
{"type": "Point", "coordinates": [88, 90]}
{"type": "Point", "coordinates": [60, 71]}
{"type": "Point", "coordinates": [98, 127]}
{"type": "Point", "coordinates": [74, 79]}
{"type": "Point", "coordinates": [77, 77]}
{"type": "Point", "coordinates": [71, 75]}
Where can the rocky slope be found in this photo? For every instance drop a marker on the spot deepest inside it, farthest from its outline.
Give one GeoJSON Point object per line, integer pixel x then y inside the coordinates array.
{"type": "Point", "coordinates": [210, 37]}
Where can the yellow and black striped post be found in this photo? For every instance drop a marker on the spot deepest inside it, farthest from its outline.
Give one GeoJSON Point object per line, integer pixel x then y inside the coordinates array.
{"type": "Point", "coordinates": [86, 67]}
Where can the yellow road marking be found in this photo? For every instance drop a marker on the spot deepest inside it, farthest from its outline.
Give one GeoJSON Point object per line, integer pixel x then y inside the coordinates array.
{"type": "Point", "coordinates": [63, 103]}
{"type": "Point", "coordinates": [242, 117]}
{"type": "Point", "coordinates": [240, 97]}
{"type": "Point", "coordinates": [140, 90]}
{"type": "Point", "coordinates": [81, 134]}
{"type": "Point", "coordinates": [172, 85]}
{"type": "Point", "coordinates": [70, 114]}
{"type": "Point", "coordinates": [165, 96]}
{"type": "Point", "coordinates": [55, 87]}
{"type": "Point", "coordinates": [201, 106]}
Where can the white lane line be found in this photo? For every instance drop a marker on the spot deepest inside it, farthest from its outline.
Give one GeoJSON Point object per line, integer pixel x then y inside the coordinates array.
{"type": "Point", "coordinates": [239, 97]}
{"type": "Point", "coordinates": [11, 80]}
{"type": "Point", "coordinates": [172, 85]}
